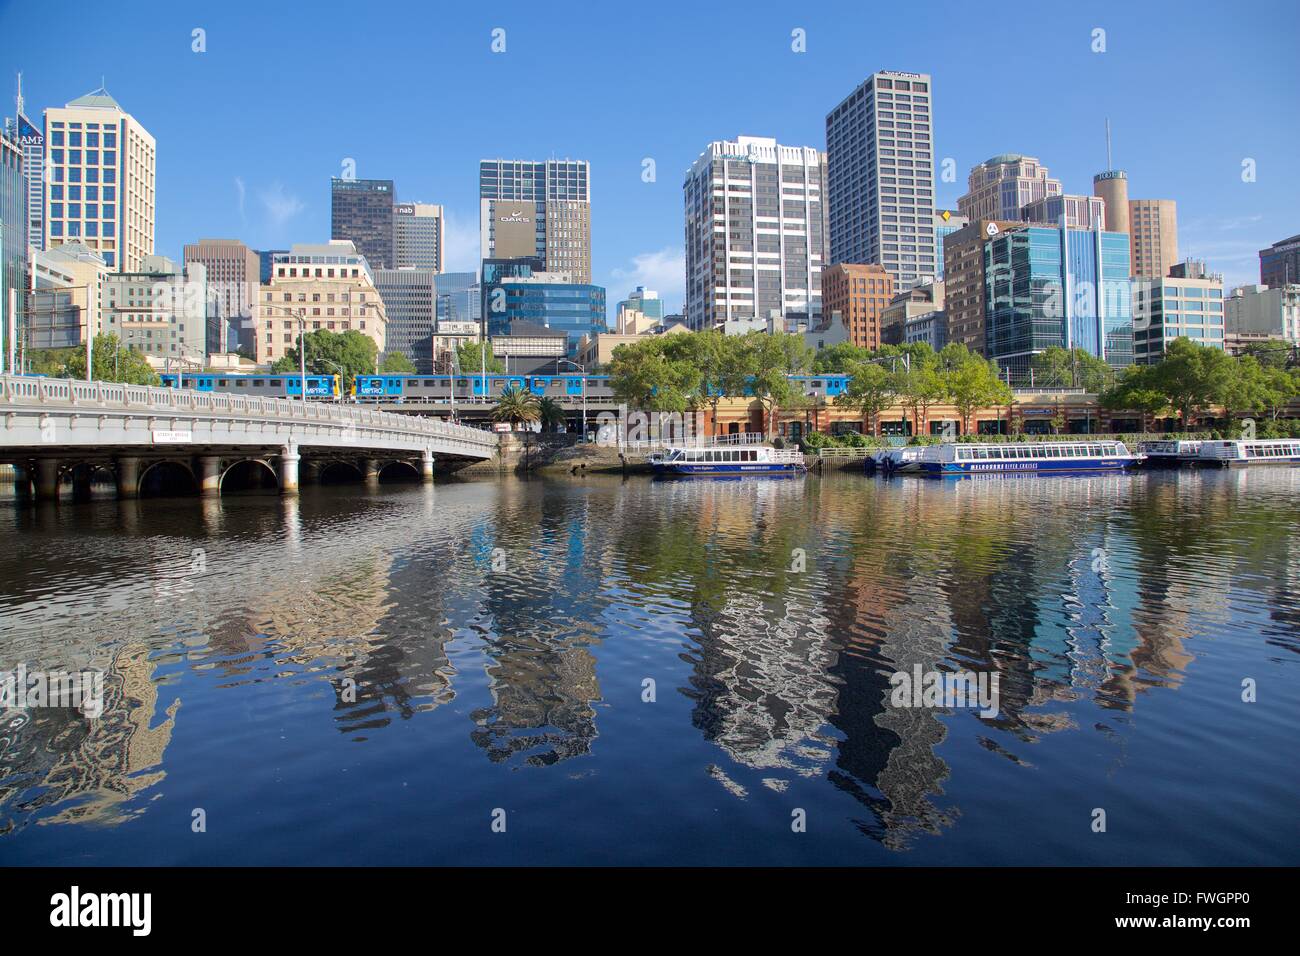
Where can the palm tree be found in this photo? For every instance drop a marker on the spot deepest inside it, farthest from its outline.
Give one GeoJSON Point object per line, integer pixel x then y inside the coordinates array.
{"type": "Point", "coordinates": [551, 414]}
{"type": "Point", "coordinates": [515, 406]}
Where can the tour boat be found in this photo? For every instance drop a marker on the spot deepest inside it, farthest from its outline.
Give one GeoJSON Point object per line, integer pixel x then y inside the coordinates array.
{"type": "Point", "coordinates": [1260, 451]}
{"type": "Point", "coordinates": [728, 460]}
{"type": "Point", "coordinates": [1170, 451]}
{"type": "Point", "coordinates": [896, 461]}
{"type": "Point", "coordinates": [1045, 457]}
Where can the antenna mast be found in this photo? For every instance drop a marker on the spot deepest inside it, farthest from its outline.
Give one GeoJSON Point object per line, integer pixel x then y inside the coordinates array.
{"type": "Point", "coordinates": [1109, 164]}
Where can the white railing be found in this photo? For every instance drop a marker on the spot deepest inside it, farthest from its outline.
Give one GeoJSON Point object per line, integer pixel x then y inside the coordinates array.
{"type": "Point", "coordinates": [26, 390]}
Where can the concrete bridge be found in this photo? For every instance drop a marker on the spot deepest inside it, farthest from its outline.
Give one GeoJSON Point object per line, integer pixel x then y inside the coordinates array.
{"type": "Point", "coordinates": [62, 430]}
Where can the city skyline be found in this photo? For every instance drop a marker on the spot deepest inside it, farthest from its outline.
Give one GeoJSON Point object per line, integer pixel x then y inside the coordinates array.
{"type": "Point", "coordinates": [268, 185]}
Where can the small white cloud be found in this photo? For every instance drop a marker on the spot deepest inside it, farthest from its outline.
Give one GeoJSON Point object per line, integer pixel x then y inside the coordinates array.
{"type": "Point", "coordinates": [663, 271]}
{"type": "Point", "coordinates": [278, 205]}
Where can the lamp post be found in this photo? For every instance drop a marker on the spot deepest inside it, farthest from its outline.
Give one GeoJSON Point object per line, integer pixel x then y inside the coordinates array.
{"type": "Point", "coordinates": [301, 316]}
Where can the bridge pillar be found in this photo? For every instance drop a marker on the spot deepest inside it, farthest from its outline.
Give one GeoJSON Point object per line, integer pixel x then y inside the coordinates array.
{"type": "Point", "coordinates": [22, 481]}
{"type": "Point", "coordinates": [47, 479]}
{"type": "Point", "coordinates": [309, 472]}
{"type": "Point", "coordinates": [426, 465]}
{"type": "Point", "coordinates": [128, 477]}
{"type": "Point", "coordinates": [289, 470]}
{"type": "Point", "coordinates": [370, 471]}
{"type": "Point", "coordinates": [209, 476]}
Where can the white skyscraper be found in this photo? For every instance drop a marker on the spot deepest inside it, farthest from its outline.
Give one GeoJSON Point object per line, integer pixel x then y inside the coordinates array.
{"type": "Point", "coordinates": [880, 177]}
{"type": "Point", "coordinates": [755, 234]}
{"type": "Point", "coordinates": [99, 191]}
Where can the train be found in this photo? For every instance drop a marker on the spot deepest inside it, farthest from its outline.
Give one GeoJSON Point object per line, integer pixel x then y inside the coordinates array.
{"type": "Point", "coordinates": [267, 385]}
{"type": "Point", "coordinates": [401, 388]}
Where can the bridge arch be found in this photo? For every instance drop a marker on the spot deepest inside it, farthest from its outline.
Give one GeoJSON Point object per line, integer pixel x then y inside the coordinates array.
{"type": "Point", "coordinates": [339, 471]}
{"type": "Point", "coordinates": [249, 474]}
{"type": "Point", "coordinates": [398, 470]}
{"type": "Point", "coordinates": [167, 478]}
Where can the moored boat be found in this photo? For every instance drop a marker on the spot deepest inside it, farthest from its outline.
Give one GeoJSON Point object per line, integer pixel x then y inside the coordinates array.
{"type": "Point", "coordinates": [1047, 457]}
{"type": "Point", "coordinates": [728, 460]}
{"type": "Point", "coordinates": [896, 461]}
{"type": "Point", "coordinates": [1170, 451]}
{"type": "Point", "coordinates": [1258, 451]}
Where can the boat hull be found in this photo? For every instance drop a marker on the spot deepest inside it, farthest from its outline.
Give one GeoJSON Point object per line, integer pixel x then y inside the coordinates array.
{"type": "Point", "coordinates": [728, 469]}
{"type": "Point", "coordinates": [1072, 466]}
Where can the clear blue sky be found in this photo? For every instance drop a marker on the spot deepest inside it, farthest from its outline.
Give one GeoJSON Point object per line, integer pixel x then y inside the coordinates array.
{"type": "Point", "coordinates": [250, 131]}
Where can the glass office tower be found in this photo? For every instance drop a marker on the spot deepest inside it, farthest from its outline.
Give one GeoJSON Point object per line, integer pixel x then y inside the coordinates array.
{"type": "Point", "coordinates": [1057, 286]}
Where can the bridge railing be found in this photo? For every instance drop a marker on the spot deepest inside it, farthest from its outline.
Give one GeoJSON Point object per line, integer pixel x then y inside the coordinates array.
{"type": "Point", "coordinates": [39, 390]}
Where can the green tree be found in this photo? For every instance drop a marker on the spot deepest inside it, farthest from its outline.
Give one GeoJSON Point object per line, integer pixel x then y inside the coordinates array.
{"type": "Point", "coordinates": [516, 406]}
{"type": "Point", "coordinates": [654, 375]}
{"type": "Point", "coordinates": [870, 390]}
{"type": "Point", "coordinates": [551, 414]}
{"type": "Point", "coordinates": [1136, 390]}
{"type": "Point", "coordinates": [348, 353]}
{"type": "Point", "coordinates": [841, 358]}
{"type": "Point", "coordinates": [720, 361]}
{"type": "Point", "coordinates": [971, 382]}
{"type": "Point", "coordinates": [1057, 367]}
{"type": "Point", "coordinates": [112, 362]}
{"type": "Point", "coordinates": [768, 360]}
{"type": "Point", "coordinates": [469, 356]}
{"type": "Point", "coordinates": [1193, 377]}
{"type": "Point", "coordinates": [919, 382]}
{"type": "Point", "coordinates": [397, 363]}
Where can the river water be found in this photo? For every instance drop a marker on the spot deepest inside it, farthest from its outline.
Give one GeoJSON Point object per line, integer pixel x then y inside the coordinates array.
{"type": "Point", "coordinates": [629, 671]}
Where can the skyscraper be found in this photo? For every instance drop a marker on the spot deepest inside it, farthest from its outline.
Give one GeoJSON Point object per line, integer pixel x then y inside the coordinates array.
{"type": "Point", "coordinates": [13, 239]}
{"type": "Point", "coordinates": [1000, 187]}
{"type": "Point", "coordinates": [537, 209]}
{"type": "Point", "coordinates": [1153, 233]}
{"type": "Point", "coordinates": [419, 236]}
{"type": "Point", "coordinates": [860, 294]}
{"type": "Point", "coordinates": [31, 141]}
{"type": "Point", "coordinates": [1279, 264]}
{"type": "Point", "coordinates": [880, 176]}
{"type": "Point", "coordinates": [234, 272]}
{"type": "Point", "coordinates": [101, 166]}
{"type": "Point", "coordinates": [361, 210]}
{"type": "Point", "coordinates": [410, 303]}
{"type": "Point", "coordinates": [755, 233]}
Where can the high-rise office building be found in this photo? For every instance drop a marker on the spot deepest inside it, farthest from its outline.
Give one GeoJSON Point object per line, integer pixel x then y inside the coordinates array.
{"type": "Point", "coordinates": [880, 176]}
{"type": "Point", "coordinates": [550, 301]}
{"type": "Point", "coordinates": [755, 233]}
{"type": "Point", "coordinates": [1279, 264]}
{"type": "Point", "coordinates": [1080, 212]}
{"type": "Point", "coordinates": [1255, 313]}
{"type": "Point", "coordinates": [101, 167]}
{"type": "Point", "coordinates": [330, 287]}
{"type": "Point", "coordinates": [1000, 187]}
{"type": "Point", "coordinates": [234, 271]}
{"type": "Point", "coordinates": [537, 210]}
{"type": "Point", "coordinates": [410, 303]}
{"type": "Point", "coordinates": [1187, 303]}
{"type": "Point", "coordinates": [963, 273]}
{"type": "Point", "coordinates": [361, 210]}
{"type": "Point", "coordinates": [946, 222]}
{"type": "Point", "coordinates": [13, 238]}
{"type": "Point", "coordinates": [1057, 286]}
{"type": "Point", "coordinates": [72, 278]}
{"type": "Point", "coordinates": [419, 236]}
{"type": "Point", "coordinates": [31, 140]}
{"type": "Point", "coordinates": [860, 294]}
{"type": "Point", "coordinates": [458, 297]}
{"type": "Point", "coordinates": [645, 301]}
{"type": "Point", "coordinates": [1153, 236]}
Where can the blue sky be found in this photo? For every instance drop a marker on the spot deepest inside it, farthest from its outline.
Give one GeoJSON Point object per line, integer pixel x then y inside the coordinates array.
{"type": "Point", "coordinates": [250, 131]}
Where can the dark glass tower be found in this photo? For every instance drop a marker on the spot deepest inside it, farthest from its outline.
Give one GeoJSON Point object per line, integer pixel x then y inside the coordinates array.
{"type": "Point", "coordinates": [362, 210]}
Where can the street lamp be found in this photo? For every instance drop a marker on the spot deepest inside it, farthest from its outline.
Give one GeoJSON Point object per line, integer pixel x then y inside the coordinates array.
{"type": "Point", "coordinates": [301, 316]}
{"type": "Point", "coordinates": [584, 392]}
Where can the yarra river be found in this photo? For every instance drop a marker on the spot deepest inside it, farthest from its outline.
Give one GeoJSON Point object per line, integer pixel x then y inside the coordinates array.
{"type": "Point", "coordinates": [627, 671]}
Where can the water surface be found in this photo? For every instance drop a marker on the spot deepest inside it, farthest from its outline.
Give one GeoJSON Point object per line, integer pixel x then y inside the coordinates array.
{"type": "Point", "coordinates": [355, 678]}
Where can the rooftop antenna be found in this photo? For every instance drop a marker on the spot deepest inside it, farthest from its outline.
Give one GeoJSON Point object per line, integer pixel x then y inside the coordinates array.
{"type": "Point", "coordinates": [20, 93]}
{"type": "Point", "coordinates": [1109, 164]}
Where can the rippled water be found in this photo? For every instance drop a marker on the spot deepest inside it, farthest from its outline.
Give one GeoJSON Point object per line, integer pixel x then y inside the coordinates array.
{"type": "Point", "coordinates": [366, 678]}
